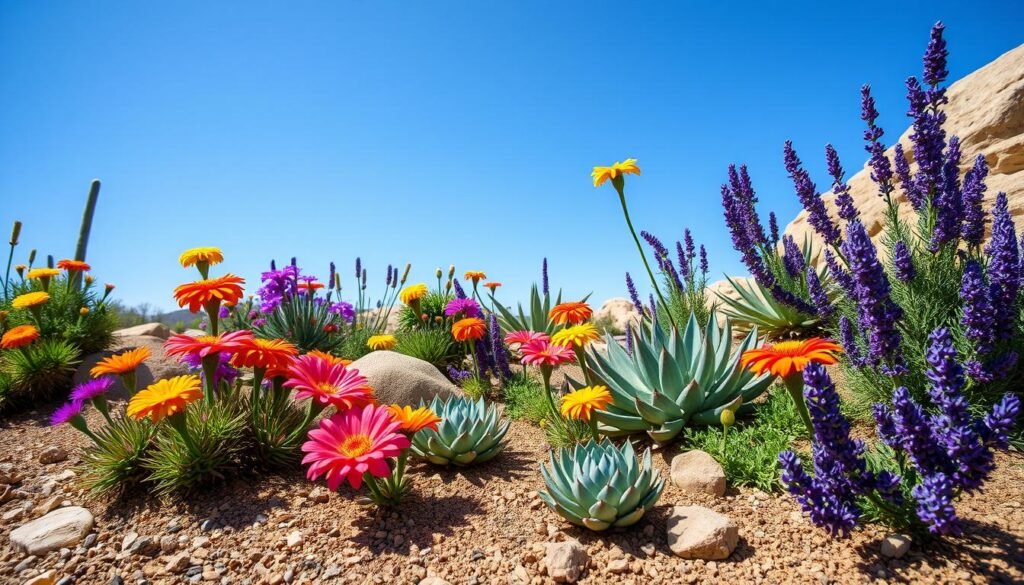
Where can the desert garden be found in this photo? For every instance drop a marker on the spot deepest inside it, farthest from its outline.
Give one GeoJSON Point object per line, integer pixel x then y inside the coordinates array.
{"type": "Point", "coordinates": [849, 412]}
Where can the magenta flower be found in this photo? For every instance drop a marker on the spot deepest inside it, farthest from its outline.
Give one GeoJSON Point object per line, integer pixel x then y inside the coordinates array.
{"type": "Point", "coordinates": [352, 443]}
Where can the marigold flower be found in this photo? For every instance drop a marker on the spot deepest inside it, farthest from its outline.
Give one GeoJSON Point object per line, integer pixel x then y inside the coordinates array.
{"type": "Point", "coordinates": [578, 335]}
{"type": "Point", "coordinates": [786, 358]}
{"type": "Point", "coordinates": [181, 344]}
{"type": "Point", "coordinates": [413, 292]}
{"type": "Point", "coordinates": [626, 167]}
{"type": "Point", "coordinates": [524, 337]}
{"type": "Point", "coordinates": [492, 285]}
{"type": "Point", "coordinates": [73, 265]}
{"type": "Point", "coordinates": [475, 276]}
{"type": "Point", "coordinates": [469, 329]}
{"type": "Point", "coordinates": [30, 300]}
{"type": "Point", "coordinates": [122, 363]}
{"type": "Point", "coordinates": [195, 295]}
{"type": "Point", "coordinates": [582, 403]}
{"type": "Point", "coordinates": [19, 336]}
{"type": "Point", "coordinates": [379, 342]}
{"type": "Point", "coordinates": [253, 352]}
{"type": "Point", "coordinates": [83, 311]}
{"type": "Point", "coordinates": [208, 254]}
{"type": "Point", "coordinates": [414, 420]}
{"type": "Point", "coordinates": [352, 443]}
{"type": "Point", "coordinates": [328, 357]}
{"type": "Point", "coordinates": [543, 353]}
{"type": "Point", "coordinates": [572, 313]}
{"type": "Point", "coordinates": [165, 398]}
{"type": "Point", "coordinates": [327, 383]}
{"type": "Point", "coordinates": [44, 274]}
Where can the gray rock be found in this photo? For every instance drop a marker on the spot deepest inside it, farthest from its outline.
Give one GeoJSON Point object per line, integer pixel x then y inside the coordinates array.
{"type": "Point", "coordinates": [696, 472]}
{"type": "Point", "coordinates": [52, 454]}
{"type": "Point", "coordinates": [895, 546]}
{"type": "Point", "coordinates": [696, 532]}
{"type": "Point", "coordinates": [60, 528]}
{"type": "Point", "coordinates": [401, 379]}
{"type": "Point", "coordinates": [566, 561]}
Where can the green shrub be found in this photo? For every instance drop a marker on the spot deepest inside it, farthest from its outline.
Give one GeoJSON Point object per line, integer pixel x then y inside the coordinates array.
{"type": "Point", "coordinates": [475, 388]}
{"type": "Point", "coordinates": [62, 317]}
{"type": "Point", "coordinates": [353, 346]}
{"type": "Point", "coordinates": [433, 306]}
{"type": "Point", "coordinates": [114, 462]}
{"type": "Point", "coordinates": [435, 346]}
{"type": "Point", "coordinates": [39, 371]}
{"type": "Point", "coordinates": [217, 429]}
{"type": "Point", "coordinates": [750, 455]}
{"type": "Point", "coordinates": [525, 399]}
{"type": "Point", "coordinates": [273, 429]}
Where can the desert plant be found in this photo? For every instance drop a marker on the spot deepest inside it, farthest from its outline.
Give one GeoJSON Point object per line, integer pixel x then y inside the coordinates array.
{"type": "Point", "coordinates": [434, 346]}
{"type": "Point", "coordinates": [686, 284]}
{"type": "Point", "coordinates": [524, 398]}
{"type": "Point", "coordinates": [272, 421]}
{"type": "Point", "coordinates": [114, 461]}
{"type": "Point", "coordinates": [599, 486]}
{"type": "Point", "coordinates": [470, 432]}
{"type": "Point", "coordinates": [39, 371]}
{"type": "Point", "coordinates": [432, 305]}
{"type": "Point", "coordinates": [675, 378]}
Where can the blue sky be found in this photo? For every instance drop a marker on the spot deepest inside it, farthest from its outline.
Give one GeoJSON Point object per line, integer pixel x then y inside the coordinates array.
{"type": "Point", "coordinates": [434, 133]}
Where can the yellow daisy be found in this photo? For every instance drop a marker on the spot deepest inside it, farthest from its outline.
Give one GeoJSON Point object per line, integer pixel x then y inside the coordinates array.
{"type": "Point", "coordinates": [626, 167]}
{"type": "Point", "coordinates": [377, 342]}
{"type": "Point", "coordinates": [208, 254]}
{"type": "Point", "coordinates": [582, 403]}
{"type": "Point", "coordinates": [578, 335]}
{"type": "Point", "coordinates": [30, 300]}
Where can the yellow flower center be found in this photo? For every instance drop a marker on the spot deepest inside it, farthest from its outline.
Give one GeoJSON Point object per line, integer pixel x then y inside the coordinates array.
{"type": "Point", "coordinates": [327, 388]}
{"type": "Point", "coordinates": [788, 348]}
{"type": "Point", "coordinates": [355, 445]}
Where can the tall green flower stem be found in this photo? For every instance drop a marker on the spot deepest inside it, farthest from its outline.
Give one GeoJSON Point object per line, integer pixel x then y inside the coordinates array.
{"type": "Point", "coordinates": [129, 379]}
{"type": "Point", "coordinates": [545, 374]}
{"type": "Point", "coordinates": [581, 357]}
{"type": "Point", "coordinates": [210, 363]}
{"type": "Point", "coordinates": [795, 385]}
{"type": "Point", "coordinates": [15, 233]}
{"type": "Point", "coordinates": [101, 405]}
{"type": "Point", "coordinates": [178, 423]}
{"type": "Point", "coordinates": [472, 354]}
{"type": "Point", "coordinates": [78, 422]}
{"type": "Point", "coordinates": [593, 428]}
{"type": "Point", "coordinates": [619, 183]}
{"type": "Point", "coordinates": [727, 418]}
{"type": "Point", "coordinates": [389, 491]}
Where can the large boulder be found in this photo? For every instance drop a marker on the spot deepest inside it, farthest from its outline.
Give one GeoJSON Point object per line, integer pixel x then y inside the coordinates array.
{"type": "Point", "coordinates": [616, 314]}
{"type": "Point", "coordinates": [157, 367]}
{"type": "Point", "coordinates": [61, 528]}
{"type": "Point", "coordinates": [148, 329]}
{"type": "Point", "coordinates": [401, 379]}
{"type": "Point", "coordinates": [986, 111]}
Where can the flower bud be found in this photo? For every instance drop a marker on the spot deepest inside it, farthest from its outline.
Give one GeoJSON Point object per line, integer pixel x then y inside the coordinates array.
{"type": "Point", "coordinates": [83, 311]}
{"type": "Point", "coordinates": [89, 279]}
{"type": "Point", "coordinates": [15, 233]}
{"type": "Point", "coordinates": [728, 418]}
{"type": "Point", "coordinates": [20, 269]}
{"type": "Point", "coordinates": [438, 272]}
{"type": "Point", "coordinates": [31, 256]}
{"type": "Point", "coordinates": [451, 271]}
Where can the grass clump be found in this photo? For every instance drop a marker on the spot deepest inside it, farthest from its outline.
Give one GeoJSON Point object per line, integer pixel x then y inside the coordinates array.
{"type": "Point", "coordinates": [524, 399]}
{"type": "Point", "coordinates": [434, 346]}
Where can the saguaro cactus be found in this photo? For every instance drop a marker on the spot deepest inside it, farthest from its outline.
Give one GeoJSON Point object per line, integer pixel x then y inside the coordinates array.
{"type": "Point", "coordinates": [86, 227]}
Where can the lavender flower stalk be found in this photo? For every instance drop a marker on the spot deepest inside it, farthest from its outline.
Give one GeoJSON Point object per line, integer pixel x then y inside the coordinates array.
{"type": "Point", "coordinates": [809, 197]}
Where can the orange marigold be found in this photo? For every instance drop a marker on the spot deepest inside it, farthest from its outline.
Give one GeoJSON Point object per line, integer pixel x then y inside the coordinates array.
{"type": "Point", "coordinates": [787, 358]}
{"type": "Point", "coordinates": [121, 363]}
{"type": "Point", "coordinates": [73, 265]}
{"type": "Point", "coordinates": [572, 313]}
{"type": "Point", "coordinates": [19, 336]}
{"type": "Point", "coordinates": [195, 295]}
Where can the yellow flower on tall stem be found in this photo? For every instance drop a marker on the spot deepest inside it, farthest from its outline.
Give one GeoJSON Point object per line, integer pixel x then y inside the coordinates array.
{"type": "Point", "coordinates": [616, 173]}
{"type": "Point", "coordinates": [582, 403]}
{"type": "Point", "coordinates": [202, 258]}
{"type": "Point", "coordinates": [33, 301]}
{"type": "Point", "coordinates": [43, 275]}
{"type": "Point", "coordinates": [412, 295]}
{"type": "Point", "coordinates": [787, 359]}
{"type": "Point", "coordinates": [577, 337]}
{"type": "Point", "coordinates": [122, 365]}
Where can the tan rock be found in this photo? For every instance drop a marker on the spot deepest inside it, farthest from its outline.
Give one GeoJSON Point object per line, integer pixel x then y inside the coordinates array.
{"type": "Point", "coordinates": [616, 314]}
{"type": "Point", "coordinates": [148, 329]}
{"type": "Point", "coordinates": [696, 472]}
{"type": "Point", "coordinates": [986, 111]}
{"type": "Point", "coordinates": [401, 379]}
{"type": "Point", "coordinates": [566, 561]}
{"type": "Point", "coordinates": [61, 528]}
{"type": "Point", "coordinates": [696, 532]}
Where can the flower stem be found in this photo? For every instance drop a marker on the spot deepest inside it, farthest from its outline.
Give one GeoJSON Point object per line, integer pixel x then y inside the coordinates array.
{"type": "Point", "coordinates": [629, 223]}
{"type": "Point", "coordinates": [795, 385]}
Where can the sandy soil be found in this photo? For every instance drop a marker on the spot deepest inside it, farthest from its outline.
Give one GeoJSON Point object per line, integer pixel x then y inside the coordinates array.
{"type": "Point", "coordinates": [476, 525]}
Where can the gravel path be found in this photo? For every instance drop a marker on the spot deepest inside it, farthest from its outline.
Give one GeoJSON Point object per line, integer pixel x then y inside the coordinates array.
{"type": "Point", "coordinates": [480, 525]}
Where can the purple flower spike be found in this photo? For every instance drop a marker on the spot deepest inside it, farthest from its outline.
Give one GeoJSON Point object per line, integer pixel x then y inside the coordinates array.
{"type": "Point", "coordinates": [809, 197]}
{"type": "Point", "coordinates": [934, 496]}
{"type": "Point", "coordinates": [902, 263]}
{"type": "Point", "coordinates": [977, 308]}
{"type": "Point", "coordinates": [544, 278]}
{"type": "Point", "coordinates": [773, 227]}
{"type": "Point", "coordinates": [633, 296]}
{"type": "Point", "coordinates": [1003, 269]}
{"type": "Point", "coordinates": [973, 228]}
{"type": "Point", "coordinates": [703, 261]}
{"type": "Point", "coordinates": [793, 258]}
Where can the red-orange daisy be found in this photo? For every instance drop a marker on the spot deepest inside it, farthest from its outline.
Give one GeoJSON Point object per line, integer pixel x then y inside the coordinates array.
{"type": "Point", "coordinates": [787, 358]}
{"type": "Point", "coordinates": [73, 265]}
{"type": "Point", "coordinates": [469, 329]}
{"type": "Point", "coordinates": [196, 295]}
{"type": "Point", "coordinates": [263, 353]}
{"type": "Point", "coordinates": [573, 313]}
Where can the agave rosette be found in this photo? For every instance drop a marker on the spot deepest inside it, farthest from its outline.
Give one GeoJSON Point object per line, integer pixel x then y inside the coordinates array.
{"type": "Point", "coordinates": [599, 485]}
{"type": "Point", "coordinates": [673, 379]}
{"type": "Point", "coordinates": [470, 432]}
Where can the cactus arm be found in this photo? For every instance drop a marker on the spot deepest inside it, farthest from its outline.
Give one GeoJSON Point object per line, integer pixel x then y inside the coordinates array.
{"type": "Point", "coordinates": [86, 227]}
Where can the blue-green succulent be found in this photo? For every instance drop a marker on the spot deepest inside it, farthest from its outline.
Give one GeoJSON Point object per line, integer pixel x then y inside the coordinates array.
{"type": "Point", "coordinates": [469, 432]}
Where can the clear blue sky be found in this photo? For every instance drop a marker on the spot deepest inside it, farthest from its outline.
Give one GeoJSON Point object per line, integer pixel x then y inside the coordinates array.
{"type": "Point", "coordinates": [434, 133]}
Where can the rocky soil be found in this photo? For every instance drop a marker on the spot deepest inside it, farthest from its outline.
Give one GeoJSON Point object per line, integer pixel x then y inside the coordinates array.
{"type": "Point", "coordinates": [479, 525]}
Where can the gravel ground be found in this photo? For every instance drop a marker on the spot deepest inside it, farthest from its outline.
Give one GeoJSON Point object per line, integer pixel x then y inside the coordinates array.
{"type": "Point", "coordinates": [479, 525]}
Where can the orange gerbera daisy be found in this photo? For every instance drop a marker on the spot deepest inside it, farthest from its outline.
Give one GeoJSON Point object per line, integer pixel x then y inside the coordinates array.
{"type": "Point", "coordinates": [165, 398]}
{"type": "Point", "coordinates": [122, 363]}
{"type": "Point", "coordinates": [414, 420]}
{"type": "Point", "coordinates": [573, 313]}
{"type": "Point", "coordinates": [263, 353]}
{"type": "Point", "coordinates": [786, 358]}
{"type": "Point", "coordinates": [198, 294]}
{"type": "Point", "coordinates": [19, 336]}
{"type": "Point", "coordinates": [333, 359]}
{"type": "Point", "coordinates": [492, 285]}
{"type": "Point", "coordinates": [626, 167]}
{"type": "Point", "coordinates": [73, 265]}
{"type": "Point", "coordinates": [469, 329]}
{"type": "Point", "coordinates": [475, 275]}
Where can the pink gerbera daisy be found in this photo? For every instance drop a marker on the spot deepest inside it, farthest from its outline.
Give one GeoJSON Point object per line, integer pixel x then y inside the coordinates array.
{"type": "Point", "coordinates": [524, 337]}
{"type": "Point", "coordinates": [204, 345]}
{"type": "Point", "coordinates": [328, 383]}
{"type": "Point", "coordinates": [544, 353]}
{"type": "Point", "coordinates": [352, 443]}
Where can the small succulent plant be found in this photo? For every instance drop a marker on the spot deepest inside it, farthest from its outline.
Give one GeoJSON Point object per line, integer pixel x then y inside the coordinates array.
{"type": "Point", "coordinates": [599, 485]}
{"type": "Point", "coordinates": [675, 378]}
{"type": "Point", "coordinates": [470, 432]}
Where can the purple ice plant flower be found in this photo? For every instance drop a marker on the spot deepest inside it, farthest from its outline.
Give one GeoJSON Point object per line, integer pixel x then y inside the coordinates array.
{"type": "Point", "coordinates": [902, 263]}
{"type": "Point", "coordinates": [465, 307]}
{"type": "Point", "coordinates": [91, 389]}
{"type": "Point", "coordinates": [344, 310]}
{"type": "Point", "coordinates": [70, 412]}
{"type": "Point", "coordinates": [278, 286]}
{"type": "Point", "coordinates": [809, 197]}
{"type": "Point", "coordinates": [223, 373]}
